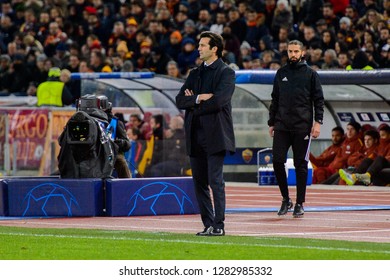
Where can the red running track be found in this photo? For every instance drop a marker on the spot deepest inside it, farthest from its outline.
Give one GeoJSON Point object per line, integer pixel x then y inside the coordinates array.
{"type": "Point", "coordinates": [363, 225]}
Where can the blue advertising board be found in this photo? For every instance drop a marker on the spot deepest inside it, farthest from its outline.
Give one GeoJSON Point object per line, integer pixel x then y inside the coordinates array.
{"type": "Point", "coordinates": [151, 196]}
{"type": "Point", "coordinates": [46, 197]}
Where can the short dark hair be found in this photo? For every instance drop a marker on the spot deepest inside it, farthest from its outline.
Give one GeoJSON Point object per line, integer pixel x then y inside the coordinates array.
{"type": "Point", "coordinates": [373, 133]}
{"type": "Point", "coordinates": [296, 42]}
{"type": "Point", "coordinates": [339, 129]}
{"type": "Point", "coordinates": [216, 40]}
{"type": "Point", "coordinates": [137, 116]}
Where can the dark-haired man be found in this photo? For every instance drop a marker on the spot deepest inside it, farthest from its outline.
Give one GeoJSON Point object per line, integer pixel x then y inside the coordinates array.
{"type": "Point", "coordinates": [206, 98]}
{"type": "Point", "coordinates": [295, 116]}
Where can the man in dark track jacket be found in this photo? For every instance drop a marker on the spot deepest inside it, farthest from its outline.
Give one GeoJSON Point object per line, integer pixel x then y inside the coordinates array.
{"type": "Point", "coordinates": [297, 92]}
{"type": "Point", "coordinates": [206, 98]}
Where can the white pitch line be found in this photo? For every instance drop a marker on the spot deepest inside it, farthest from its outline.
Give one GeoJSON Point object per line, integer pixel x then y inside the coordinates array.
{"type": "Point", "coordinates": [198, 242]}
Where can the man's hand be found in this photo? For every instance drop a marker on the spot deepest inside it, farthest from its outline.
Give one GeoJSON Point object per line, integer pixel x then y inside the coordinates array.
{"type": "Point", "coordinates": [315, 130]}
{"type": "Point", "coordinates": [204, 96]}
{"type": "Point", "coordinates": [188, 92]}
{"type": "Point", "coordinates": [271, 131]}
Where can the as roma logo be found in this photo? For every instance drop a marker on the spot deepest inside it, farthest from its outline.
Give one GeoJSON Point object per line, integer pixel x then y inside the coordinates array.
{"type": "Point", "coordinates": [247, 155]}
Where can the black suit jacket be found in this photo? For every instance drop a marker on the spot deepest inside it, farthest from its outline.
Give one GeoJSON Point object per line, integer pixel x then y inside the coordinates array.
{"type": "Point", "coordinates": [215, 114]}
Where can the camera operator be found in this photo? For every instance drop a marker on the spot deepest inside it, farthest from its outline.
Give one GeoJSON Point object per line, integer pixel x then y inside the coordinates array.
{"type": "Point", "coordinates": [122, 143]}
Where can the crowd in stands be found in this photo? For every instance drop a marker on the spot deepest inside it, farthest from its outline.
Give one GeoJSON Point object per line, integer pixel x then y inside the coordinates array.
{"type": "Point", "coordinates": [161, 35]}
{"type": "Point", "coordinates": [158, 146]}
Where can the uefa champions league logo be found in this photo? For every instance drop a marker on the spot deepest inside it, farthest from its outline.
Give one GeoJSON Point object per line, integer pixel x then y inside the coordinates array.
{"type": "Point", "coordinates": [158, 195]}
{"type": "Point", "coordinates": [49, 196]}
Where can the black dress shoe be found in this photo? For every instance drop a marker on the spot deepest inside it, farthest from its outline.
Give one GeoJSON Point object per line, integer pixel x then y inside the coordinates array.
{"type": "Point", "coordinates": [217, 232]}
{"type": "Point", "coordinates": [286, 205]}
{"type": "Point", "coordinates": [298, 211]}
{"type": "Point", "coordinates": [205, 232]}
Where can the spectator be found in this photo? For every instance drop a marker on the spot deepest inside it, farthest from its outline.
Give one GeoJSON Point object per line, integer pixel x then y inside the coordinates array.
{"type": "Point", "coordinates": [321, 26]}
{"type": "Point", "coordinates": [343, 60]}
{"type": "Point", "coordinates": [330, 17]}
{"type": "Point", "coordinates": [352, 14]}
{"type": "Point", "coordinates": [187, 57]}
{"type": "Point", "coordinates": [158, 61]}
{"type": "Point", "coordinates": [174, 45]}
{"type": "Point", "coordinates": [237, 24]}
{"type": "Point", "coordinates": [330, 60]}
{"type": "Point", "coordinates": [345, 23]}
{"type": "Point", "coordinates": [385, 57]}
{"type": "Point", "coordinates": [310, 37]}
{"type": "Point", "coordinates": [204, 20]}
{"type": "Point", "coordinates": [231, 41]}
{"type": "Point", "coordinates": [360, 61]}
{"type": "Point", "coordinates": [315, 57]}
{"type": "Point", "coordinates": [118, 34]}
{"type": "Point", "coordinates": [73, 64]}
{"type": "Point", "coordinates": [52, 39]}
{"type": "Point", "coordinates": [128, 66]}
{"type": "Point", "coordinates": [275, 64]}
{"type": "Point", "coordinates": [122, 50]}
{"type": "Point", "coordinates": [173, 70]}
{"type": "Point", "coordinates": [219, 23]}
{"type": "Point", "coordinates": [256, 28]}
{"type": "Point", "coordinates": [312, 11]}
{"type": "Point", "coordinates": [5, 63]}
{"type": "Point", "coordinates": [339, 6]}
{"type": "Point", "coordinates": [37, 70]}
{"type": "Point", "coordinates": [190, 30]}
{"type": "Point", "coordinates": [7, 31]}
{"type": "Point", "coordinates": [370, 20]}
{"type": "Point", "coordinates": [156, 143]}
{"type": "Point", "coordinates": [384, 35]}
{"type": "Point", "coordinates": [283, 16]}
{"type": "Point", "coordinates": [366, 6]}
{"type": "Point", "coordinates": [117, 63]}
{"type": "Point", "coordinates": [214, 8]}
{"type": "Point", "coordinates": [18, 78]}
{"type": "Point", "coordinates": [74, 86]}
{"type": "Point", "coordinates": [97, 62]}
{"type": "Point", "coordinates": [328, 40]}
{"type": "Point", "coordinates": [176, 161]}
{"type": "Point", "coordinates": [137, 121]}
{"type": "Point", "coordinates": [145, 54]}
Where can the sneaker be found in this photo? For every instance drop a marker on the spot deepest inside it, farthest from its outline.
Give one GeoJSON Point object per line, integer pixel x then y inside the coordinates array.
{"type": "Point", "coordinates": [364, 178]}
{"type": "Point", "coordinates": [298, 211]}
{"type": "Point", "coordinates": [286, 205]}
{"type": "Point", "coordinates": [205, 232]}
{"type": "Point", "coordinates": [217, 232]}
{"type": "Point", "coordinates": [347, 177]}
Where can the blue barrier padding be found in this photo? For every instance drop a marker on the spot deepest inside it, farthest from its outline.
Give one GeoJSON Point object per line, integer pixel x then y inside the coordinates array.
{"type": "Point", "coordinates": [331, 77]}
{"type": "Point", "coordinates": [55, 197]}
{"type": "Point", "coordinates": [112, 75]}
{"type": "Point", "coordinates": [3, 198]}
{"type": "Point", "coordinates": [151, 196]}
{"type": "Point", "coordinates": [312, 209]}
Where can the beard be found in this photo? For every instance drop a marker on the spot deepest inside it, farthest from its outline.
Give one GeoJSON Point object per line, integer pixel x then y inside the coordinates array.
{"type": "Point", "coordinates": [294, 62]}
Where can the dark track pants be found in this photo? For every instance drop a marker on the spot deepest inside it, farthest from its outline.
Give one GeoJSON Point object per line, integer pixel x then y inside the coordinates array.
{"type": "Point", "coordinates": [299, 142]}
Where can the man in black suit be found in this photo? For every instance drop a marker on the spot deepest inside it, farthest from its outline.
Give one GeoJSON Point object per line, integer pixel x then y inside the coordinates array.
{"type": "Point", "coordinates": [206, 98]}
